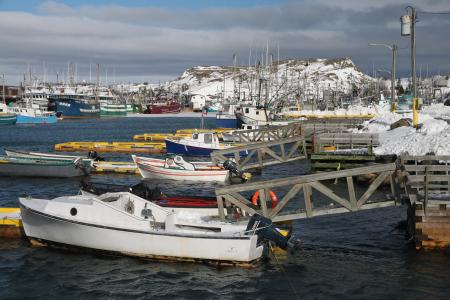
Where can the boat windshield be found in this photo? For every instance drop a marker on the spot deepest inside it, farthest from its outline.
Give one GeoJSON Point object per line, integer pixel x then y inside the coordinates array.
{"type": "Point", "coordinates": [208, 138]}
{"type": "Point", "coordinates": [195, 136]}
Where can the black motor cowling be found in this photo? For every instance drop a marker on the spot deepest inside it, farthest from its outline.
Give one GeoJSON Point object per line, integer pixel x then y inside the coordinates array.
{"type": "Point", "coordinates": [232, 167]}
{"type": "Point", "coordinates": [266, 231]}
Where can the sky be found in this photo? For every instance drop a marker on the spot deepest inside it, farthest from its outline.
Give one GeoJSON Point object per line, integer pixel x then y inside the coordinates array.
{"type": "Point", "coordinates": [152, 41]}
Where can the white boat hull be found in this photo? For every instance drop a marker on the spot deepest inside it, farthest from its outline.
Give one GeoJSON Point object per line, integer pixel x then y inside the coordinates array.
{"type": "Point", "coordinates": [150, 243]}
{"type": "Point", "coordinates": [149, 168]}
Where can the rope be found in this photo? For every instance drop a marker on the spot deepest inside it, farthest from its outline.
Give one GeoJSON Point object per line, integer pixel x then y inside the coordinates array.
{"type": "Point", "coordinates": [280, 267]}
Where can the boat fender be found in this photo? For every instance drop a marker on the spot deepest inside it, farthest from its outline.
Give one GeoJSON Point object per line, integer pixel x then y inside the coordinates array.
{"type": "Point", "coordinates": [273, 197]}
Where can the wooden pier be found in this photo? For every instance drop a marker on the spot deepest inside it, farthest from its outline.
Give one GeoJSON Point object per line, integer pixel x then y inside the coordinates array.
{"type": "Point", "coordinates": [427, 185]}
{"type": "Point", "coordinates": [119, 147]}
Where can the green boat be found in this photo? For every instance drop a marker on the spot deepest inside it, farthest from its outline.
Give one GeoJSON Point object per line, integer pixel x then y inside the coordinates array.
{"type": "Point", "coordinates": [113, 110]}
{"type": "Point", "coordinates": [31, 167]}
{"type": "Point", "coordinates": [8, 119]}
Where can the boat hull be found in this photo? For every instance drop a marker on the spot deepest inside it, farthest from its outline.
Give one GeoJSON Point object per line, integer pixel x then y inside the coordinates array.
{"type": "Point", "coordinates": [21, 119]}
{"type": "Point", "coordinates": [150, 244]}
{"type": "Point", "coordinates": [113, 110]}
{"type": "Point", "coordinates": [150, 170]}
{"type": "Point", "coordinates": [178, 148]}
{"type": "Point", "coordinates": [76, 108]}
{"type": "Point", "coordinates": [167, 108]}
{"type": "Point", "coordinates": [36, 170]}
{"type": "Point", "coordinates": [226, 121]}
{"type": "Point", "coordinates": [8, 119]}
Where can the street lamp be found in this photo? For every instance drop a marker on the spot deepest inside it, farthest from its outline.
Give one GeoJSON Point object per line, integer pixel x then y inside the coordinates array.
{"type": "Point", "coordinates": [393, 48]}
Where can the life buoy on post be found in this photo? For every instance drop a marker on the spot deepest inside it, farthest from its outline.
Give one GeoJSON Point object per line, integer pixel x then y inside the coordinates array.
{"type": "Point", "coordinates": [272, 195]}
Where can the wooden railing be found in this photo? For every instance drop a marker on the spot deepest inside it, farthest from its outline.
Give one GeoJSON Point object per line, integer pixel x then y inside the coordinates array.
{"type": "Point", "coordinates": [270, 133]}
{"type": "Point", "coordinates": [258, 155]}
{"type": "Point", "coordinates": [346, 141]}
{"type": "Point", "coordinates": [235, 195]}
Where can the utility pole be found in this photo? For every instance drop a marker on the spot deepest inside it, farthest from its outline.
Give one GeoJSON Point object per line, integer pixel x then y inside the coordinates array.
{"type": "Point", "coordinates": [408, 26]}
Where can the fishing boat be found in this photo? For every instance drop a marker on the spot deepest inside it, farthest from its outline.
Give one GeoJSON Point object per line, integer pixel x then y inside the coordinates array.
{"type": "Point", "coordinates": [7, 119]}
{"type": "Point", "coordinates": [176, 168]}
{"type": "Point", "coordinates": [75, 105]}
{"type": "Point", "coordinates": [29, 115]}
{"type": "Point", "coordinates": [199, 144]}
{"type": "Point", "coordinates": [166, 107]}
{"type": "Point", "coordinates": [227, 118]}
{"type": "Point", "coordinates": [31, 167]}
{"type": "Point", "coordinates": [206, 206]}
{"type": "Point", "coordinates": [113, 110]}
{"type": "Point", "coordinates": [129, 225]}
{"type": "Point", "coordinates": [253, 115]}
{"type": "Point", "coordinates": [231, 136]}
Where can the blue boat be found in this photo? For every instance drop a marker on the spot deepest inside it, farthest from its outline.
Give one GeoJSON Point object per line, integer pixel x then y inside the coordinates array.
{"type": "Point", "coordinates": [75, 106]}
{"type": "Point", "coordinates": [30, 115]}
{"type": "Point", "coordinates": [226, 120]}
{"type": "Point", "coordinates": [200, 144]}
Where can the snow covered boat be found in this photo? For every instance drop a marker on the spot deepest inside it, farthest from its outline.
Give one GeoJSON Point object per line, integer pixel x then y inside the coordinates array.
{"type": "Point", "coordinates": [200, 144]}
{"type": "Point", "coordinates": [30, 167]}
{"type": "Point", "coordinates": [126, 224]}
{"type": "Point", "coordinates": [176, 168]}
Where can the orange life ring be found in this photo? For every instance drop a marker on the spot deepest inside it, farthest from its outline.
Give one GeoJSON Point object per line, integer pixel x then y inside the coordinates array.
{"type": "Point", "coordinates": [273, 197]}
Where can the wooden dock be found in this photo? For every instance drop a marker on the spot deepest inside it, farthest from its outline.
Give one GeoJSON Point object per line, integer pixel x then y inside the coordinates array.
{"type": "Point", "coordinates": [427, 185]}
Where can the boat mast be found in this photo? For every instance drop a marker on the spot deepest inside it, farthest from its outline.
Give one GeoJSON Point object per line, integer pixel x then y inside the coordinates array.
{"type": "Point", "coordinates": [3, 95]}
{"type": "Point", "coordinates": [97, 83]}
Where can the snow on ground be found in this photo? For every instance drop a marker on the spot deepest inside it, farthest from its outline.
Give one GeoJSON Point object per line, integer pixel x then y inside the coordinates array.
{"type": "Point", "coordinates": [439, 111]}
{"type": "Point", "coordinates": [432, 137]}
{"type": "Point", "coordinates": [352, 110]}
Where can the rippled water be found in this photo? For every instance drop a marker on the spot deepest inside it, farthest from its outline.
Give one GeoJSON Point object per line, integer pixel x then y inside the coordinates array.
{"type": "Point", "coordinates": [348, 256]}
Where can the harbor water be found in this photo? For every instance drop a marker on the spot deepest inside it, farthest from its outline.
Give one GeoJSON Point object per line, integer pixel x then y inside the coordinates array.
{"type": "Point", "coordinates": [360, 255]}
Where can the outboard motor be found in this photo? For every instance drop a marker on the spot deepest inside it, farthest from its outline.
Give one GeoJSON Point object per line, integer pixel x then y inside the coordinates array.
{"type": "Point", "coordinates": [266, 231]}
{"type": "Point", "coordinates": [144, 190]}
{"type": "Point", "coordinates": [232, 167]}
{"type": "Point", "coordinates": [94, 156]}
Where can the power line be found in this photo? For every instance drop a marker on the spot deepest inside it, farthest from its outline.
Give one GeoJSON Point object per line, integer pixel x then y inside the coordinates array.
{"type": "Point", "coordinates": [434, 12]}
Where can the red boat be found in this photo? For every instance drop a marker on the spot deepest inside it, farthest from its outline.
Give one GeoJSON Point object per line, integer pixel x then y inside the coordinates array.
{"type": "Point", "coordinates": [168, 107]}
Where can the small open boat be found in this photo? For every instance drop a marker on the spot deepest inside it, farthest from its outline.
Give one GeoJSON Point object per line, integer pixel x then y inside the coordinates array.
{"type": "Point", "coordinates": [126, 224]}
{"type": "Point", "coordinates": [176, 168]}
{"type": "Point", "coordinates": [32, 167]}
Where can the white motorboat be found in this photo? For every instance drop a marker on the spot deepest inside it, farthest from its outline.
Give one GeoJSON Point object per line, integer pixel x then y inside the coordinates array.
{"type": "Point", "coordinates": [126, 224]}
{"type": "Point", "coordinates": [176, 168]}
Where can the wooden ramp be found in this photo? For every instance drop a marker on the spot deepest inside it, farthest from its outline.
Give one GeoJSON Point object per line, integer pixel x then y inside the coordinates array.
{"type": "Point", "coordinates": [298, 193]}
{"type": "Point", "coordinates": [259, 155]}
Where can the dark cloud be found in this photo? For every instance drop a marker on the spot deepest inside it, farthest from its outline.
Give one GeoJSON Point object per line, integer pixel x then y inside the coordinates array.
{"type": "Point", "coordinates": [155, 42]}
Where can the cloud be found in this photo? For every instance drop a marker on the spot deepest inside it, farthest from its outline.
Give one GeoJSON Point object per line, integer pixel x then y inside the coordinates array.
{"type": "Point", "coordinates": [158, 42]}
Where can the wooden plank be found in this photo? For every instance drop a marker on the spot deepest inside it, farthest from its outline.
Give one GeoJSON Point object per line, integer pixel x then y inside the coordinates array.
{"type": "Point", "coordinates": [307, 196]}
{"type": "Point", "coordinates": [330, 194]}
{"type": "Point", "coordinates": [306, 178]}
{"type": "Point", "coordinates": [351, 193]}
{"type": "Point", "coordinates": [220, 207]}
{"type": "Point", "coordinates": [236, 200]}
{"type": "Point", "coordinates": [289, 195]}
{"type": "Point", "coordinates": [373, 186]}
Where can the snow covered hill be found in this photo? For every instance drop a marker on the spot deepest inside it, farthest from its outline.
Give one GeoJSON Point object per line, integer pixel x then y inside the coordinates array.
{"type": "Point", "coordinates": [285, 78]}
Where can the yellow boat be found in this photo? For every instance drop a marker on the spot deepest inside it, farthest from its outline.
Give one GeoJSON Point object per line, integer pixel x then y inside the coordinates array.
{"type": "Point", "coordinates": [115, 167]}
{"type": "Point", "coordinates": [122, 147]}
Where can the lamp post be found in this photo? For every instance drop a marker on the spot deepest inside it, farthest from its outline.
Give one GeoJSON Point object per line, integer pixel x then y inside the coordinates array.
{"type": "Point", "coordinates": [394, 49]}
